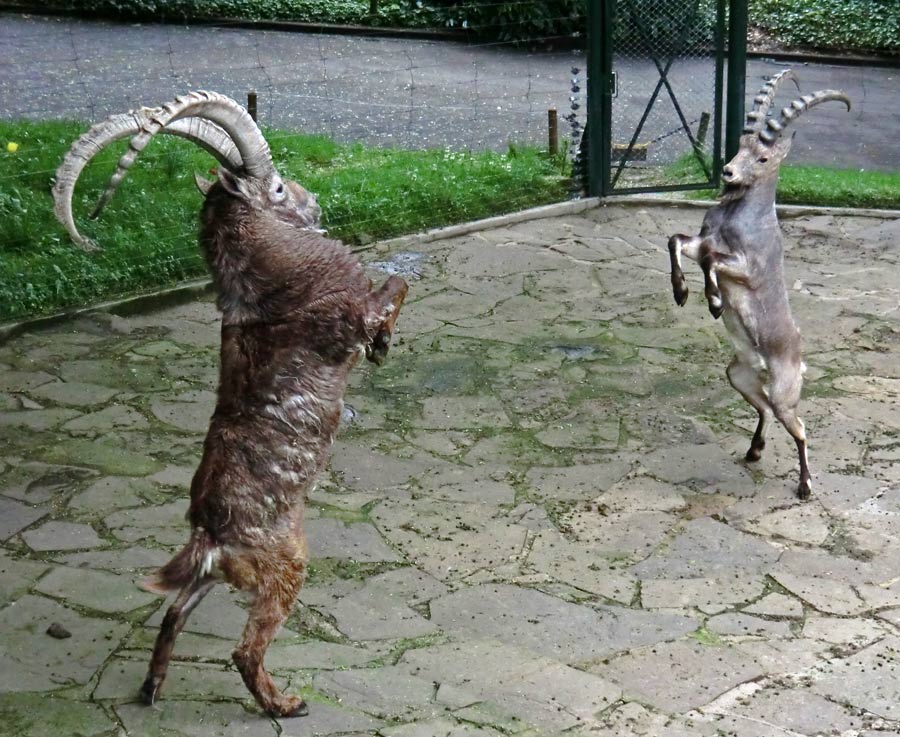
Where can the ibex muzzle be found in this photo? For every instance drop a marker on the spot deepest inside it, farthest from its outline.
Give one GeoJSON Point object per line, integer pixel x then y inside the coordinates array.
{"type": "Point", "coordinates": [740, 251]}
{"type": "Point", "coordinates": [297, 313]}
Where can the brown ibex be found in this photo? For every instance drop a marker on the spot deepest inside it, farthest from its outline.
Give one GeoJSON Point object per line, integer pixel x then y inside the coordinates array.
{"type": "Point", "coordinates": [740, 251]}
{"type": "Point", "coordinates": [297, 312]}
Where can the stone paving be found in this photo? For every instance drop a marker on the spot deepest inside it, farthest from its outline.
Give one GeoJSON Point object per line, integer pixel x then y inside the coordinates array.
{"type": "Point", "coordinates": [537, 519]}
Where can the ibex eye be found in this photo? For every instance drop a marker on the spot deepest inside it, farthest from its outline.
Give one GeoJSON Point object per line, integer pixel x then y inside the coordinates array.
{"type": "Point", "coordinates": [763, 159]}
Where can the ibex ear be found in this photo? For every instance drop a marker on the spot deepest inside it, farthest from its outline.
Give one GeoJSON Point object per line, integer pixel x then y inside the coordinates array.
{"type": "Point", "coordinates": [786, 142]}
{"type": "Point", "coordinates": [203, 184]}
{"type": "Point", "coordinates": [231, 182]}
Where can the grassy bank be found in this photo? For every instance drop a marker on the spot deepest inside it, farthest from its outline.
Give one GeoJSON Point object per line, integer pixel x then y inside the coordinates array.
{"type": "Point", "coordinates": [148, 232]}
{"type": "Point", "coordinates": [813, 185]}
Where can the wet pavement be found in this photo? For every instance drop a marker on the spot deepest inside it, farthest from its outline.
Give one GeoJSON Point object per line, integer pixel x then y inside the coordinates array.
{"type": "Point", "coordinates": [410, 93]}
{"type": "Point", "coordinates": [536, 521]}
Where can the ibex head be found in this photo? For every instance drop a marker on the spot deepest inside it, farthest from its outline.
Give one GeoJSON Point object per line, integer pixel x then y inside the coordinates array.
{"type": "Point", "coordinates": [215, 122]}
{"type": "Point", "coordinates": [764, 145]}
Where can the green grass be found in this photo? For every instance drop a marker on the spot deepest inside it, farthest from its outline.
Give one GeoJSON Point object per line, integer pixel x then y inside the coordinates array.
{"type": "Point", "coordinates": [148, 232]}
{"type": "Point", "coordinates": [812, 185]}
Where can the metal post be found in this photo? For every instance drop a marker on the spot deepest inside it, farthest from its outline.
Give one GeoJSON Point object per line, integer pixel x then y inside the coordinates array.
{"type": "Point", "coordinates": [251, 104]}
{"type": "Point", "coordinates": [552, 132]}
{"type": "Point", "coordinates": [599, 102]}
{"type": "Point", "coordinates": [737, 75]}
{"type": "Point", "coordinates": [373, 7]}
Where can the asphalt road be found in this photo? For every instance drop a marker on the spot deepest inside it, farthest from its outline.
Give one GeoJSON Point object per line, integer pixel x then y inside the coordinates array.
{"type": "Point", "coordinates": [408, 93]}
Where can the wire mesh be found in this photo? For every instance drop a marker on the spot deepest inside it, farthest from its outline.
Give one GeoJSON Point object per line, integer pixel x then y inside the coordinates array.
{"type": "Point", "coordinates": [664, 100]}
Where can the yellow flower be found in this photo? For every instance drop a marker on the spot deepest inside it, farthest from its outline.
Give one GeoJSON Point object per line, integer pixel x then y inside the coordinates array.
{"type": "Point", "coordinates": [12, 147]}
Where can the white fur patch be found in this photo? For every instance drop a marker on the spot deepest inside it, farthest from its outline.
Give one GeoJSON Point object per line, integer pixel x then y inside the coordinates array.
{"type": "Point", "coordinates": [210, 561]}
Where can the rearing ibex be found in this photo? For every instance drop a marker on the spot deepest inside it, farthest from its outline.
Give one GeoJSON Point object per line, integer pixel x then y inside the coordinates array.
{"type": "Point", "coordinates": [741, 253]}
{"type": "Point", "coordinates": [297, 312]}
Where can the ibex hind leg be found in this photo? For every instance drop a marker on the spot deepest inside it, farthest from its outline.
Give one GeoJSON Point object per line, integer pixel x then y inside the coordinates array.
{"type": "Point", "coordinates": [275, 597]}
{"type": "Point", "coordinates": [749, 384]}
{"type": "Point", "coordinates": [172, 624]}
{"type": "Point", "coordinates": [794, 425]}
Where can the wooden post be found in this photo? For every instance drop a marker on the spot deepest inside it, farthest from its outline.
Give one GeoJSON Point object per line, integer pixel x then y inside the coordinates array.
{"type": "Point", "coordinates": [552, 132]}
{"type": "Point", "coordinates": [251, 104]}
{"type": "Point", "coordinates": [702, 128]}
{"type": "Point", "coordinates": [373, 7]}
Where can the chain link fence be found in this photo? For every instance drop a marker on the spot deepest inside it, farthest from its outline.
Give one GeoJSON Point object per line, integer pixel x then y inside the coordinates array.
{"type": "Point", "coordinates": [664, 96]}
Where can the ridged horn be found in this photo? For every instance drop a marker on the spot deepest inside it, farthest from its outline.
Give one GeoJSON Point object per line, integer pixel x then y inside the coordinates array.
{"type": "Point", "coordinates": [775, 128]}
{"type": "Point", "coordinates": [756, 118]}
{"type": "Point", "coordinates": [205, 133]}
{"type": "Point", "coordinates": [211, 106]}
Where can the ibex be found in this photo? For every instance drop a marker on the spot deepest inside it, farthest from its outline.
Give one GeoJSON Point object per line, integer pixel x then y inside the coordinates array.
{"type": "Point", "coordinates": [741, 253]}
{"type": "Point", "coordinates": [297, 312]}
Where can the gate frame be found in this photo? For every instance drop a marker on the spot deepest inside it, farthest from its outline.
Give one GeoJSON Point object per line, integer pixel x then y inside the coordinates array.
{"type": "Point", "coordinates": [600, 90]}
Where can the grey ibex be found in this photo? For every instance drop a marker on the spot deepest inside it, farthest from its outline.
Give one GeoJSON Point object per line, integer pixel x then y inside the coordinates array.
{"type": "Point", "coordinates": [297, 312]}
{"type": "Point", "coordinates": [741, 253]}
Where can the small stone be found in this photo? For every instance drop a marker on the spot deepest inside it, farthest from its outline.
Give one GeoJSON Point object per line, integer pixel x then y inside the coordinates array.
{"type": "Point", "coordinates": [58, 631]}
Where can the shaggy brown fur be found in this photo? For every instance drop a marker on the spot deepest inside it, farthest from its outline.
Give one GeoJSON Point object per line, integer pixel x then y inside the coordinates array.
{"type": "Point", "coordinates": [298, 312]}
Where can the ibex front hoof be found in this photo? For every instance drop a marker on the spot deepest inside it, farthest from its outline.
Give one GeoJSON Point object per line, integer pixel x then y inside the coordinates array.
{"type": "Point", "coordinates": [716, 308]}
{"type": "Point", "coordinates": [377, 351]}
{"type": "Point", "coordinates": [804, 491]}
{"type": "Point", "coordinates": [680, 292]}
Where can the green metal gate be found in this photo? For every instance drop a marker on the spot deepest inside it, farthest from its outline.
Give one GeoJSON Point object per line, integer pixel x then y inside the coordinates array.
{"type": "Point", "coordinates": [655, 91]}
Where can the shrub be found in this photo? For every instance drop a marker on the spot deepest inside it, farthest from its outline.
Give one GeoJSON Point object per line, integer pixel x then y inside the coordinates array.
{"type": "Point", "coordinates": [520, 20]}
{"type": "Point", "coordinates": [838, 24]}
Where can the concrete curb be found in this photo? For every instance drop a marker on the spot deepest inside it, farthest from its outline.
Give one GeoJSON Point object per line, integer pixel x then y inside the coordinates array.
{"type": "Point", "coordinates": [194, 289]}
{"type": "Point", "coordinates": [124, 306]}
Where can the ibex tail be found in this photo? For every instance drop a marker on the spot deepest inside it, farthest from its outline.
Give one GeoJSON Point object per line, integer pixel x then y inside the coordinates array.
{"type": "Point", "coordinates": [193, 561]}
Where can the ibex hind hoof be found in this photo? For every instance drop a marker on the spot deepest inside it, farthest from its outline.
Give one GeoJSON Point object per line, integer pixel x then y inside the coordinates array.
{"type": "Point", "coordinates": [804, 491]}
{"type": "Point", "coordinates": [716, 310]}
{"type": "Point", "coordinates": [149, 690]}
{"type": "Point", "coordinates": [294, 707]}
{"type": "Point", "coordinates": [754, 454]}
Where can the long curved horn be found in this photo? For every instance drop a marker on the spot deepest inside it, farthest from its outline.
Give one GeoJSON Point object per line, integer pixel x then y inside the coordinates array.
{"type": "Point", "coordinates": [774, 128]}
{"type": "Point", "coordinates": [756, 118]}
{"type": "Point", "coordinates": [212, 106]}
{"type": "Point", "coordinates": [206, 134]}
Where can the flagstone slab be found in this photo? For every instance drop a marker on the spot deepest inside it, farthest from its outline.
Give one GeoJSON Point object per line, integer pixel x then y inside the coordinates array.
{"type": "Point", "coordinates": [62, 536]}
{"type": "Point", "coordinates": [121, 679]}
{"type": "Point", "coordinates": [706, 548]}
{"type": "Point", "coordinates": [332, 538]}
{"type": "Point", "coordinates": [549, 626]}
{"type": "Point", "coordinates": [174, 718]}
{"type": "Point", "coordinates": [37, 715]}
{"type": "Point", "coordinates": [384, 693]}
{"type": "Point", "coordinates": [868, 679]}
{"type": "Point", "coordinates": [18, 576]}
{"type": "Point", "coordinates": [100, 590]}
{"type": "Point", "coordinates": [32, 660]}
{"type": "Point", "coordinates": [16, 516]}
{"type": "Point", "coordinates": [676, 677]}
{"type": "Point", "coordinates": [74, 393]}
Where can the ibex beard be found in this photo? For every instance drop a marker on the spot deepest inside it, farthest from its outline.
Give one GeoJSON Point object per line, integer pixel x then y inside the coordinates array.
{"type": "Point", "coordinates": [297, 313]}
{"type": "Point", "coordinates": [741, 253]}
